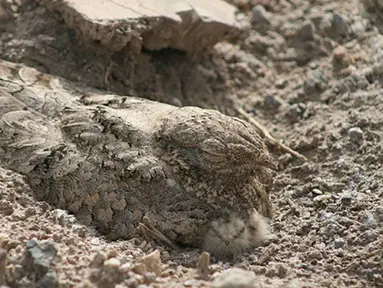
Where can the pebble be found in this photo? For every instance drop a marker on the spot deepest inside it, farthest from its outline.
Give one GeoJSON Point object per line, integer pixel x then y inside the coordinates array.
{"type": "Point", "coordinates": [235, 278]}
{"type": "Point", "coordinates": [315, 254]}
{"type": "Point", "coordinates": [339, 24]}
{"type": "Point", "coordinates": [369, 220]}
{"type": "Point", "coordinates": [203, 263]}
{"type": "Point", "coordinates": [281, 83]}
{"type": "Point", "coordinates": [356, 135]}
{"type": "Point", "coordinates": [317, 192]}
{"type": "Point", "coordinates": [195, 283]}
{"type": "Point", "coordinates": [322, 198]}
{"type": "Point", "coordinates": [348, 70]}
{"type": "Point", "coordinates": [49, 280]}
{"type": "Point", "coordinates": [281, 270]}
{"type": "Point", "coordinates": [249, 59]}
{"type": "Point", "coordinates": [112, 263]}
{"type": "Point", "coordinates": [149, 277]}
{"type": "Point", "coordinates": [126, 267]}
{"type": "Point", "coordinates": [6, 208]}
{"type": "Point", "coordinates": [339, 243]}
{"type": "Point", "coordinates": [324, 215]}
{"type": "Point", "coordinates": [260, 16]}
{"type": "Point", "coordinates": [3, 257]}
{"type": "Point", "coordinates": [131, 282]}
{"type": "Point", "coordinates": [243, 69]}
{"type": "Point", "coordinates": [98, 259]}
{"type": "Point", "coordinates": [295, 111]}
{"type": "Point", "coordinates": [42, 255]}
{"type": "Point", "coordinates": [95, 241]}
{"type": "Point", "coordinates": [272, 102]}
{"type": "Point", "coordinates": [316, 82]}
{"type": "Point", "coordinates": [63, 218]}
{"type": "Point", "coordinates": [368, 237]}
{"type": "Point", "coordinates": [30, 211]}
{"type": "Point", "coordinates": [152, 262]}
{"type": "Point", "coordinates": [379, 213]}
{"type": "Point", "coordinates": [81, 230]}
{"type": "Point", "coordinates": [330, 228]}
{"type": "Point", "coordinates": [40, 260]}
{"type": "Point", "coordinates": [359, 26]}
{"type": "Point", "coordinates": [346, 199]}
{"type": "Point", "coordinates": [377, 45]}
{"type": "Point", "coordinates": [340, 53]}
{"type": "Point", "coordinates": [296, 283]}
{"type": "Point", "coordinates": [243, 4]}
{"type": "Point", "coordinates": [306, 31]}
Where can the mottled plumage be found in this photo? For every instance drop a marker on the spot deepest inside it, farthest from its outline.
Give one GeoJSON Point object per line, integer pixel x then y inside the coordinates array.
{"type": "Point", "coordinates": [113, 161]}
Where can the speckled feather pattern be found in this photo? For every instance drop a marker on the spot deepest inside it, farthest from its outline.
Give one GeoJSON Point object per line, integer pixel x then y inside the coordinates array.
{"type": "Point", "coordinates": [111, 160]}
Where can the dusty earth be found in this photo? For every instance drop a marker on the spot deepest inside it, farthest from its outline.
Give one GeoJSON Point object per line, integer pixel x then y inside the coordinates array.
{"type": "Point", "coordinates": [309, 71]}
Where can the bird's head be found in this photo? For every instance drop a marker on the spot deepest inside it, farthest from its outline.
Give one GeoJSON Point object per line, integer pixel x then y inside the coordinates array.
{"type": "Point", "coordinates": [212, 143]}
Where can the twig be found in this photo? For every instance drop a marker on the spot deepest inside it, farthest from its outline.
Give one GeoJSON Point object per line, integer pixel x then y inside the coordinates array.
{"type": "Point", "coordinates": [148, 227]}
{"type": "Point", "coordinates": [265, 134]}
{"type": "Point", "coordinates": [108, 72]}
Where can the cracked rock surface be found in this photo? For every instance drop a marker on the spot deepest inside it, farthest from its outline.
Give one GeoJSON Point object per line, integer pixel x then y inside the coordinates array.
{"type": "Point", "coordinates": [191, 26]}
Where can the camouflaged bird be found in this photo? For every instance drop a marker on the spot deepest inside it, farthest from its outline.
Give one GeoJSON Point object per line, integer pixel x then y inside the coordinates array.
{"type": "Point", "coordinates": [185, 175]}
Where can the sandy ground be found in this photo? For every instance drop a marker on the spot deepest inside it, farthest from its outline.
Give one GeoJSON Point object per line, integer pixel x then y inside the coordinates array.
{"type": "Point", "coordinates": [309, 71]}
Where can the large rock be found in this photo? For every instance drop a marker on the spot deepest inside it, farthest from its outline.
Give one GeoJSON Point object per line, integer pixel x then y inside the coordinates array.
{"type": "Point", "coordinates": [191, 26]}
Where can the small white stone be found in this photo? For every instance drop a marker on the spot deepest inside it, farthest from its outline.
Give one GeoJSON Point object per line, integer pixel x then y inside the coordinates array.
{"type": "Point", "coordinates": [317, 192]}
{"type": "Point", "coordinates": [356, 135]}
{"type": "Point", "coordinates": [112, 263]}
{"type": "Point", "coordinates": [235, 278]}
{"type": "Point", "coordinates": [95, 241]}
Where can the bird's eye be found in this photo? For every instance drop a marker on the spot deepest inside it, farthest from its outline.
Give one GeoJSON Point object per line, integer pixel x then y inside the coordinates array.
{"type": "Point", "coordinates": [252, 228]}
